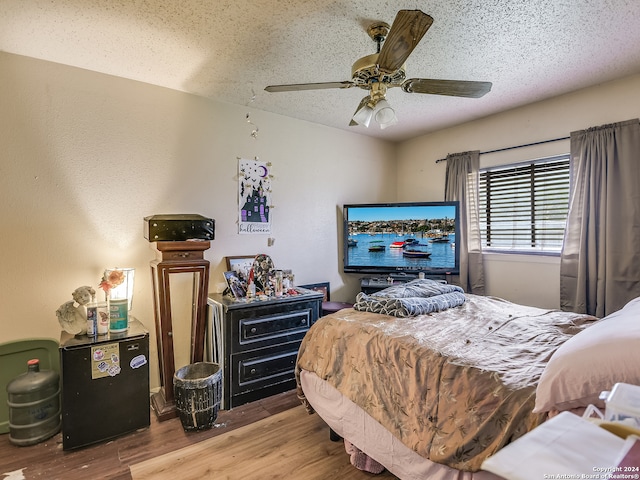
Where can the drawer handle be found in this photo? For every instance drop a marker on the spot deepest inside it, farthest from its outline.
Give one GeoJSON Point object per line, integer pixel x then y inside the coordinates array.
{"type": "Point", "coordinates": [254, 330]}
{"type": "Point", "coordinates": [252, 371]}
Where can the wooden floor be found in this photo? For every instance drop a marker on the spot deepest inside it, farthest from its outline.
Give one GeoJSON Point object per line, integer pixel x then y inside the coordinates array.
{"type": "Point", "coordinates": [111, 460]}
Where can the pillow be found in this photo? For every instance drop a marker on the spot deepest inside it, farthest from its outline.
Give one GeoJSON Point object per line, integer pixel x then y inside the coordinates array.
{"type": "Point", "coordinates": [594, 360]}
{"type": "Point", "coordinates": [421, 287]}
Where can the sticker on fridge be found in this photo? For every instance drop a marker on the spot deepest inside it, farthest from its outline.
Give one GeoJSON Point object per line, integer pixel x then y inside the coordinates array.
{"type": "Point", "coordinates": [105, 360]}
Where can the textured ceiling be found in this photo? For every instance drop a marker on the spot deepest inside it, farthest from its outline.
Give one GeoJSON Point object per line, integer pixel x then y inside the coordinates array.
{"type": "Point", "coordinates": [230, 50]}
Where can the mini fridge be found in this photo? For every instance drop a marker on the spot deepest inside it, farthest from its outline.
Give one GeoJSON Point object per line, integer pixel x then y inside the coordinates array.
{"type": "Point", "coordinates": [105, 385]}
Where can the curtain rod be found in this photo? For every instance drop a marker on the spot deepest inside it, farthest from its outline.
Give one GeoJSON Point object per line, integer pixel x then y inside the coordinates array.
{"type": "Point", "coordinates": [514, 147]}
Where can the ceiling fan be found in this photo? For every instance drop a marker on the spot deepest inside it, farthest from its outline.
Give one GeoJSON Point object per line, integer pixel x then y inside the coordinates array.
{"type": "Point", "coordinates": [386, 69]}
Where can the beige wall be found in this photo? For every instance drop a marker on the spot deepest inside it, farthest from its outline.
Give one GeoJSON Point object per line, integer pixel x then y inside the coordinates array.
{"type": "Point", "coordinates": [525, 279]}
{"type": "Point", "coordinates": [85, 157]}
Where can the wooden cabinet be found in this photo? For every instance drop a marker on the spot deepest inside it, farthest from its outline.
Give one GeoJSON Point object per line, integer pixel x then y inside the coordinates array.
{"type": "Point", "coordinates": [257, 343]}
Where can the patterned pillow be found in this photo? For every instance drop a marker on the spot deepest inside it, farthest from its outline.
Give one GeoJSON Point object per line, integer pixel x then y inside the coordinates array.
{"type": "Point", "coordinates": [408, 307]}
{"type": "Point", "coordinates": [417, 288]}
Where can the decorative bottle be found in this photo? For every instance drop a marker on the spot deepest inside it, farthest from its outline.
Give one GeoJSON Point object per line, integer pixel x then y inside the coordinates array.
{"type": "Point", "coordinates": [251, 286]}
{"type": "Point", "coordinates": [92, 317]}
{"type": "Point", "coordinates": [278, 283]}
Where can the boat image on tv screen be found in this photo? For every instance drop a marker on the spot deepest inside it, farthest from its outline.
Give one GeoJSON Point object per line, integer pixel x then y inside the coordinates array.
{"type": "Point", "coordinates": [403, 238]}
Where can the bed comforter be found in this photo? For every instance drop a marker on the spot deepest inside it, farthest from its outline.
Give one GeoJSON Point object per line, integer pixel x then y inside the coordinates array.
{"type": "Point", "coordinates": [454, 386]}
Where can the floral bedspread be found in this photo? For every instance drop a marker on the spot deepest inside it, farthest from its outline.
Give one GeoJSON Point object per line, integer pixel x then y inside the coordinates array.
{"type": "Point", "coordinates": [454, 386]}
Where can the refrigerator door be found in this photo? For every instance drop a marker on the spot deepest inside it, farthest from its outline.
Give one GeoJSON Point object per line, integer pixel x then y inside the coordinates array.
{"type": "Point", "coordinates": [105, 388]}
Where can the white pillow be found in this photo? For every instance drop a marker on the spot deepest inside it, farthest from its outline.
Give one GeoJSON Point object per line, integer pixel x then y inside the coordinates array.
{"type": "Point", "coordinates": [593, 361]}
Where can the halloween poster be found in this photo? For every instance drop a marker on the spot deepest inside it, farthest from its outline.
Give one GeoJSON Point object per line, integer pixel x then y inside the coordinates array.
{"type": "Point", "coordinates": [254, 201]}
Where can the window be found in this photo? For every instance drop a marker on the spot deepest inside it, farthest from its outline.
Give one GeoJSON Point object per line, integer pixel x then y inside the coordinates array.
{"type": "Point", "coordinates": [523, 207]}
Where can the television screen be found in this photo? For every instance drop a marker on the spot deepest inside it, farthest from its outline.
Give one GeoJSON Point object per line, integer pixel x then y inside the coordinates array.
{"type": "Point", "coordinates": [402, 238]}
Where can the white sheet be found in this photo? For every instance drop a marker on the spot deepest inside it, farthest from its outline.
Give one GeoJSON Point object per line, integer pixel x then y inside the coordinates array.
{"type": "Point", "coordinates": [354, 424]}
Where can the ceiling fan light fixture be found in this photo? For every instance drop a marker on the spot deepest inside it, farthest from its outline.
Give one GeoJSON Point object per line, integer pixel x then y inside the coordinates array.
{"type": "Point", "coordinates": [384, 114]}
{"type": "Point", "coordinates": [390, 123]}
{"type": "Point", "coordinates": [363, 116]}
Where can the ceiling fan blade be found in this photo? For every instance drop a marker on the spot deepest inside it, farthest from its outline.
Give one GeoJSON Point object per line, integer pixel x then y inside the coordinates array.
{"type": "Point", "coordinates": [294, 87]}
{"type": "Point", "coordinates": [406, 32]}
{"type": "Point", "coordinates": [454, 88]}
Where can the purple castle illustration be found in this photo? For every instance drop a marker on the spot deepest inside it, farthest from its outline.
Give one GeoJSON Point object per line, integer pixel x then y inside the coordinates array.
{"type": "Point", "coordinates": [255, 208]}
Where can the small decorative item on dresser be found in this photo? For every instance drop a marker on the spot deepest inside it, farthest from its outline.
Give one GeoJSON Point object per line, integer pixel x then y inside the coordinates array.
{"type": "Point", "coordinates": [262, 268]}
{"type": "Point", "coordinates": [251, 286]}
{"type": "Point", "coordinates": [237, 287]}
{"type": "Point", "coordinates": [241, 265]}
{"type": "Point", "coordinates": [279, 283]}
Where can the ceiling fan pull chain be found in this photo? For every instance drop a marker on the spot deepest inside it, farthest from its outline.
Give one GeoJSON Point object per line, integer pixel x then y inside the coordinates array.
{"type": "Point", "coordinates": [254, 132]}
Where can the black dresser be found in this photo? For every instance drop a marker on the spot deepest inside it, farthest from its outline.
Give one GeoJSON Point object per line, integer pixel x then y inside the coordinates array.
{"type": "Point", "coordinates": [256, 342]}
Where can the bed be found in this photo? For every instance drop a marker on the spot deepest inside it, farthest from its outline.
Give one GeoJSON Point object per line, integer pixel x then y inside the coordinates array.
{"type": "Point", "coordinates": [428, 381]}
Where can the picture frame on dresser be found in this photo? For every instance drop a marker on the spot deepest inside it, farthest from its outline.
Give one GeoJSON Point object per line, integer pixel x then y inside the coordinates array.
{"type": "Point", "coordinates": [237, 286]}
{"type": "Point", "coordinates": [322, 287]}
{"type": "Point", "coordinates": [241, 265]}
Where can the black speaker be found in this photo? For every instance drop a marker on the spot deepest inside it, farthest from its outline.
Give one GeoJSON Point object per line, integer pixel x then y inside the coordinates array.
{"type": "Point", "coordinates": [178, 228]}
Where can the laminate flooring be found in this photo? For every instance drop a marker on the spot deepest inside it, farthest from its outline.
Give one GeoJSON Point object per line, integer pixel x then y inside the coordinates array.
{"type": "Point", "coordinates": [112, 459]}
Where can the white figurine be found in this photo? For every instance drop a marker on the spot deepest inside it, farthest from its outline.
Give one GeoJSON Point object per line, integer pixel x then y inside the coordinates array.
{"type": "Point", "coordinates": [72, 315]}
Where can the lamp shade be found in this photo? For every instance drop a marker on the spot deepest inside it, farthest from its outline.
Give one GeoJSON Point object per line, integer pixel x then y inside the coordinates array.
{"type": "Point", "coordinates": [124, 289]}
{"type": "Point", "coordinates": [384, 114]}
{"type": "Point", "coordinates": [363, 116]}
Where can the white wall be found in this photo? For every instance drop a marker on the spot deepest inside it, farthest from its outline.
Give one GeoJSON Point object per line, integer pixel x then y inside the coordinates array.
{"type": "Point", "coordinates": [86, 156]}
{"type": "Point", "coordinates": [520, 278]}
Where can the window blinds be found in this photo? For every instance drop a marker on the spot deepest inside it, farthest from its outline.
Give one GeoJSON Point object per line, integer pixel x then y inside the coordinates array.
{"type": "Point", "coordinates": [524, 207]}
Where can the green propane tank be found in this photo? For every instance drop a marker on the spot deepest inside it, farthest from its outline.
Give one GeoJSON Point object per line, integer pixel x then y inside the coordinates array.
{"type": "Point", "coordinates": [34, 405]}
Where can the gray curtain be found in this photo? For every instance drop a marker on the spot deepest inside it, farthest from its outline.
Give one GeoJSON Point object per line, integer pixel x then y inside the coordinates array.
{"type": "Point", "coordinates": [461, 184]}
{"type": "Point", "coordinates": [600, 262]}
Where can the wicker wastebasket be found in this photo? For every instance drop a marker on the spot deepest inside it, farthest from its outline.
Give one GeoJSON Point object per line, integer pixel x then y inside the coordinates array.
{"type": "Point", "coordinates": [197, 389]}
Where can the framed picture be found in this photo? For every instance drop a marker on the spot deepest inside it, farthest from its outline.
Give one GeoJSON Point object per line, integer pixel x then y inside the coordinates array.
{"type": "Point", "coordinates": [237, 286]}
{"type": "Point", "coordinates": [319, 287]}
{"type": "Point", "coordinates": [241, 265]}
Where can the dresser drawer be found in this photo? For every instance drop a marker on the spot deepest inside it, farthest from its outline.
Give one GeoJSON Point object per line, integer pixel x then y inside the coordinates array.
{"type": "Point", "coordinates": [270, 325]}
{"type": "Point", "coordinates": [266, 367]}
{"type": "Point", "coordinates": [274, 326]}
{"type": "Point", "coordinates": [260, 373]}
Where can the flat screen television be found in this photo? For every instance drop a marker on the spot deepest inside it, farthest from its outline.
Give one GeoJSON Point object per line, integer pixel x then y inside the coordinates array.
{"type": "Point", "coordinates": [402, 238]}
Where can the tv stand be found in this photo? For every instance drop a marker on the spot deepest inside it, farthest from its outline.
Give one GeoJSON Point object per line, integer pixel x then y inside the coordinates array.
{"type": "Point", "coordinates": [406, 277]}
{"type": "Point", "coordinates": [375, 284]}
{"type": "Point", "coordinates": [371, 285]}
